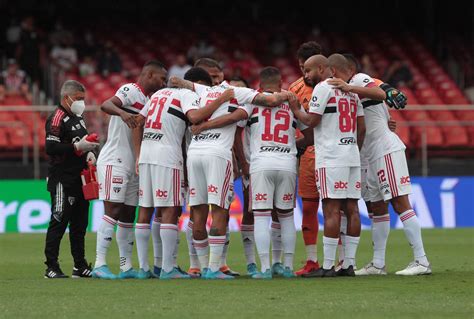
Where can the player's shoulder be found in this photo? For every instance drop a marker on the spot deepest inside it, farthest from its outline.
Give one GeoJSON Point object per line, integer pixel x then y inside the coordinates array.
{"type": "Point", "coordinates": [323, 85]}
{"type": "Point", "coordinates": [57, 117]}
{"type": "Point", "coordinates": [361, 79]}
{"type": "Point", "coordinates": [297, 86]}
{"type": "Point", "coordinates": [130, 88]}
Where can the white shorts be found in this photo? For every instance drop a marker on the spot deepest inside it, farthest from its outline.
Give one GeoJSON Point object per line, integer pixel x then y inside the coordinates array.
{"type": "Point", "coordinates": [160, 186]}
{"type": "Point", "coordinates": [388, 177]}
{"type": "Point", "coordinates": [270, 189]}
{"type": "Point", "coordinates": [338, 182]}
{"type": "Point", "coordinates": [364, 188]}
{"type": "Point", "coordinates": [117, 184]}
{"type": "Point", "coordinates": [210, 180]}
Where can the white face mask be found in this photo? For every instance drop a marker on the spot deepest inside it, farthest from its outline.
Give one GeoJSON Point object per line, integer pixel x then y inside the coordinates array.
{"type": "Point", "coordinates": [77, 107]}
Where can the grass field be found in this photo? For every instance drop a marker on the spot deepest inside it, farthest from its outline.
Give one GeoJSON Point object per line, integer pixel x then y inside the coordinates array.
{"type": "Point", "coordinates": [449, 292]}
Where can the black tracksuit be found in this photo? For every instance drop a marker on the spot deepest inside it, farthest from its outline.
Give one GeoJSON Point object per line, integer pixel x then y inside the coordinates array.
{"type": "Point", "coordinates": [68, 206]}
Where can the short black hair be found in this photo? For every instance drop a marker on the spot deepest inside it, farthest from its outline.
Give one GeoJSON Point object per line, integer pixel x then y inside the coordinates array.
{"type": "Point", "coordinates": [196, 74]}
{"type": "Point", "coordinates": [155, 63]}
{"type": "Point", "coordinates": [208, 62]}
{"type": "Point", "coordinates": [240, 79]}
{"type": "Point", "coordinates": [308, 49]}
{"type": "Point", "coordinates": [352, 60]}
{"type": "Point", "coordinates": [270, 74]}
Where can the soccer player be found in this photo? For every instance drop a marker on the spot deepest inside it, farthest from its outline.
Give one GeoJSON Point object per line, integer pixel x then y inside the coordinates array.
{"type": "Point", "coordinates": [242, 153]}
{"type": "Point", "coordinates": [388, 180]}
{"type": "Point", "coordinates": [118, 182]}
{"type": "Point", "coordinates": [209, 166]}
{"type": "Point", "coordinates": [338, 122]}
{"type": "Point", "coordinates": [159, 148]}
{"type": "Point", "coordinates": [303, 89]}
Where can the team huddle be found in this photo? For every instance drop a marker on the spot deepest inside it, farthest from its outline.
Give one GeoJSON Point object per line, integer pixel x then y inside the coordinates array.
{"type": "Point", "coordinates": [189, 140]}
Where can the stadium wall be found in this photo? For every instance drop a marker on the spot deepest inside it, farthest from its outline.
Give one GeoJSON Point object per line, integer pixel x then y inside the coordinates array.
{"type": "Point", "coordinates": [440, 202]}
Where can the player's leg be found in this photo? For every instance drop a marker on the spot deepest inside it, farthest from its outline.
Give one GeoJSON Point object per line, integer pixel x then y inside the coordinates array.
{"type": "Point", "coordinates": [331, 184]}
{"type": "Point", "coordinates": [277, 250]}
{"type": "Point", "coordinates": [157, 244]}
{"type": "Point", "coordinates": [247, 230]}
{"type": "Point", "coordinates": [310, 225]}
{"type": "Point", "coordinates": [194, 267]}
{"type": "Point", "coordinates": [398, 179]}
{"type": "Point", "coordinates": [200, 237]}
{"type": "Point", "coordinates": [220, 186]}
{"type": "Point", "coordinates": [77, 233]}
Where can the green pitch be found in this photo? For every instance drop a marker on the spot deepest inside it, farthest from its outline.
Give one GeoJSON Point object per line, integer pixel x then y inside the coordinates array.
{"type": "Point", "coordinates": [448, 293]}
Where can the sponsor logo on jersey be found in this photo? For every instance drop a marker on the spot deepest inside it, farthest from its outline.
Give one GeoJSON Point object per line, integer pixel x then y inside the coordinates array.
{"type": "Point", "coordinates": [340, 185]}
{"type": "Point", "coordinates": [275, 149]}
{"type": "Point", "coordinates": [192, 192]}
{"type": "Point", "coordinates": [117, 180]}
{"type": "Point", "coordinates": [260, 197]}
{"type": "Point", "coordinates": [207, 137]}
{"type": "Point", "coordinates": [405, 180]}
{"type": "Point", "coordinates": [117, 189]}
{"type": "Point", "coordinates": [161, 194]}
{"type": "Point", "coordinates": [358, 185]}
{"type": "Point", "coordinates": [288, 197]}
{"type": "Point", "coordinates": [212, 189]}
{"type": "Point", "coordinates": [71, 200]}
{"type": "Point", "coordinates": [347, 141]}
{"type": "Point", "coordinates": [152, 136]}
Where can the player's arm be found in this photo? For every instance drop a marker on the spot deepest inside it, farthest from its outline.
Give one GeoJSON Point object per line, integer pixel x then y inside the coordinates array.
{"type": "Point", "coordinates": [54, 145]}
{"type": "Point", "coordinates": [306, 140]}
{"type": "Point", "coordinates": [360, 131]}
{"type": "Point", "coordinates": [185, 161]}
{"type": "Point", "coordinates": [394, 97]}
{"type": "Point", "coordinates": [392, 125]}
{"type": "Point", "coordinates": [113, 106]}
{"type": "Point", "coordinates": [370, 92]}
{"type": "Point", "coordinates": [270, 100]}
{"type": "Point", "coordinates": [198, 115]}
{"type": "Point", "coordinates": [309, 119]}
{"type": "Point", "coordinates": [220, 121]}
{"type": "Point", "coordinates": [239, 151]}
{"type": "Point", "coordinates": [175, 82]}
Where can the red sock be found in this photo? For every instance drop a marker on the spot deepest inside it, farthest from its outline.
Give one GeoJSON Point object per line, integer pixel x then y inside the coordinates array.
{"type": "Point", "coordinates": [310, 224]}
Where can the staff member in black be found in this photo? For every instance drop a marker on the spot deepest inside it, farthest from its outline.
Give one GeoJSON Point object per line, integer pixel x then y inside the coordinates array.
{"type": "Point", "coordinates": [68, 152]}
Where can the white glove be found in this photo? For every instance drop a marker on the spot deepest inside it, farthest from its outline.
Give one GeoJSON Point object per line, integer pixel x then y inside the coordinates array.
{"type": "Point", "coordinates": [85, 146]}
{"type": "Point", "coordinates": [91, 158]}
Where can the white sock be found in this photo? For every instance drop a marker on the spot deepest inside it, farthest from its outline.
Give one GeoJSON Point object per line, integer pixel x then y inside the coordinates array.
{"type": "Point", "coordinates": [157, 245]}
{"type": "Point", "coordinates": [380, 231]}
{"type": "Point", "coordinates": [142, 237]}
{"type": "Point", "coordinates": [169, 235]}
{"type": "Point", "coordinates": [312, 252]}
{"type": "Point", "coordinates": [248, 241]}
{"type": "Point", "coordinates": [202, 251]}
{"type": "Point", "coordinates": [342, 235]}
{"type": "Point", "coordinates": [329, 247]}
{"type": "Point", "coordinates": [276, 242]}
{"type": "Point", "coordinates": [226, 248]}
{"type": "Point", "coordinates": [104, 239]}
{"type": "Point", "coordinates": [193, 258]}
{"type": "Point", "coordinates": [412, 229]}
{"type": "Point", "coordinates": [288, 238]}
{"type": "Point", "coordinates": [125, 240]}
{"type": "Point", "coordinates": [262, 237]}
{"type": "Point", "coordinates": [216, 247]}
{"type": "Point", "coordinates": [350, 249]}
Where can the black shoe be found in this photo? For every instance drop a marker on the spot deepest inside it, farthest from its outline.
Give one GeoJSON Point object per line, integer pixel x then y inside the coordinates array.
{"type": "Point", "coordinates": [349, 272]}
{"type": "Point", "coordinates": [320, 273]}
{"type": "Point", "coordinates": [82, 272]}
{"type": "Point", "coordinates": [54, 273]}
{"type": "Point", "coordinates": [181, 271]}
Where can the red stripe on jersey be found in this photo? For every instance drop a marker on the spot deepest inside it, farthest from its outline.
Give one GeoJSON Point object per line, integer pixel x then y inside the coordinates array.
{"type": "Point", "coordinates": [234, 101]}
{"type": "Point", "coordinates": [332, 100]}
{"type": "Point", "coordinates": [57, 118]}
{"type": "Point", "coordinates": [138, 87]}
{"type": "Point", "coordinates": [255, 110]}
{"type": "Point", "coordinates": [176, 103]}
{"type": "Point", "coordinates": [371, 85]}
{"type": "Point", "coordinates": [138, 106]}
{"type": "Point", "coordinates": [225, 187]}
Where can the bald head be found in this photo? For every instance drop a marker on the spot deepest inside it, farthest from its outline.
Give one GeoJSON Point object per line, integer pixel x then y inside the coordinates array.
{"type": "Point", "coordinates": [340, 66]}
{"type": "Point", "coordinates": [316, 69]}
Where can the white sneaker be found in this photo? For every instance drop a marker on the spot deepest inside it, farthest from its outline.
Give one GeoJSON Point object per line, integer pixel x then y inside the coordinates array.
{"type": "Point", "coordinates": [370, 269]}
{"type": "Point", "coordinates": [415, 268]}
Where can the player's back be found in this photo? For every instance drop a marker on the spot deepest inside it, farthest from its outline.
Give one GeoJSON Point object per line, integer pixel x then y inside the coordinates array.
{"type": "Point", "coordinates": [336, 136]}
{"type": "Point", "coordinates": [272, 138]}
{"type": "Point", "coordinates": [118, 149]}
{"type": "Point", "coordinates": [165, 126]}
{"type": "Point", "coordinates": [219, 141]}
{"type": "Point", "coordinates": [379, 140]}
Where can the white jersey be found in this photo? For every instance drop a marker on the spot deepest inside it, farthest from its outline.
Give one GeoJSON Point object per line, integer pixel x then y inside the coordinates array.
{"type": "Point", "coordinates": [165, 126]}
{"type": "Point", "coordinates": [219, 141]}
{"type": "Point", "coordinates": [335, 138]}
{"type": "Point", "coordinates": [246, 143]}
{"type": "Point", "coordinates": [118, 150]}
{"type": "Point", "coordinates": [273, 138]}
{"type": "Point", "coordinates": [379, 140]}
